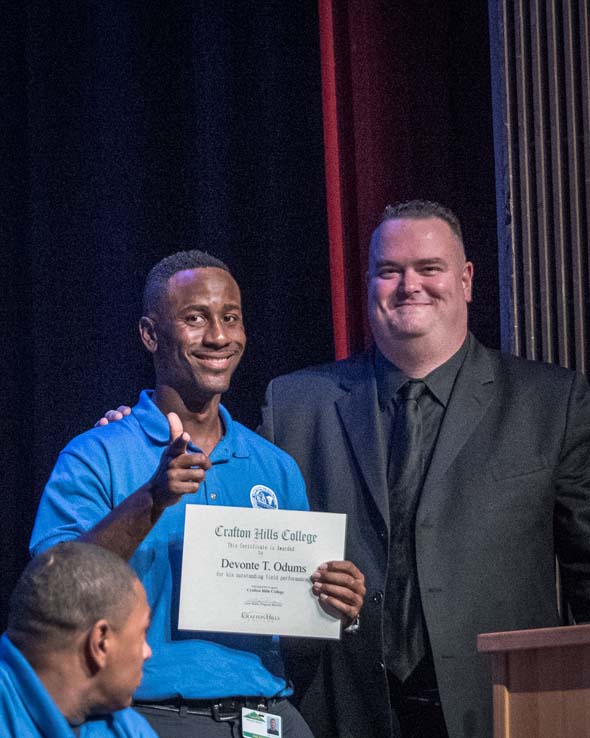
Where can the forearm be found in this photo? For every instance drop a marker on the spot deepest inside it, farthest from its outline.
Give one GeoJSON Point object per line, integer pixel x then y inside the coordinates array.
{"type": "Point", "coordinates": [125, 527]}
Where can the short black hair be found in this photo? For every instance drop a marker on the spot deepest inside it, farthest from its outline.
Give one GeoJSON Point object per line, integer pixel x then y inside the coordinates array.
{"type": "Point", "coordinates": [65, 590]}
{"type": "Point", "coordinates": [421, 209]}
{"type": "Point", "coordinates": [158, 276]}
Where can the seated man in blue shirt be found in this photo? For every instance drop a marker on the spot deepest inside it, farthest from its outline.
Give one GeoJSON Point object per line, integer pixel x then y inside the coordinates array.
{"type": "Point", "coordinates": [74, 649]}
{"type": "Point", "coordinates": [125, 487]}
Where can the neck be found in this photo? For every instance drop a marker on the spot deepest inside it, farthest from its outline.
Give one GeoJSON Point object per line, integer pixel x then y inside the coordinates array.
{"type": "Point", "coordinates": [417, 357]}
{"type": "Point", "coordinates": [66, 686]}
{"type": "Point", "coordinates": [199, 417]}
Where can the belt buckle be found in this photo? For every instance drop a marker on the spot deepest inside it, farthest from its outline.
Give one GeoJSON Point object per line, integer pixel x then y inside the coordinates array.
{"type": "Point", "coordinates": [217, 709]}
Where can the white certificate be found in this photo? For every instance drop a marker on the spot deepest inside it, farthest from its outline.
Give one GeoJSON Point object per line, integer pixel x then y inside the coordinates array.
{"type": "Point", "coordinates": [246, 570]}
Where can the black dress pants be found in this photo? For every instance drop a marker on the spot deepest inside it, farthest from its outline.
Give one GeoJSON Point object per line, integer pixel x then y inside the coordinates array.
{"type": "Point", "coordinates": [417, 705]}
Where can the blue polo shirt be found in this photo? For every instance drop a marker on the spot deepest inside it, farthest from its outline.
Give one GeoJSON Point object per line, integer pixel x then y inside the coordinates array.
{"type": "Point", "coordinates": [27, 710]}
{"type": "Point", "coordinates": [100, 468]}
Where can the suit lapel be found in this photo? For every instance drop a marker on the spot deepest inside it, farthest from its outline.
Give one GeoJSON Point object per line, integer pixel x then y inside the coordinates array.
{"type": "Point", "coordinates": [358, 410]}
{"type": "Point", "coordinates": [469, 400]}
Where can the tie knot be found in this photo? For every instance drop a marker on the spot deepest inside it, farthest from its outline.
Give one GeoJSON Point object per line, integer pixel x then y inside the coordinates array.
{"type": "Point", "coordinates": [411, 390]}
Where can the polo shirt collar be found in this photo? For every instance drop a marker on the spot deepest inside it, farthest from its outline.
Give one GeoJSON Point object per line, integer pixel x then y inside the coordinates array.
{"type": "Point", "coordinates": [232, 442]}
{"type": "Point", "coordinates": [155, 425]}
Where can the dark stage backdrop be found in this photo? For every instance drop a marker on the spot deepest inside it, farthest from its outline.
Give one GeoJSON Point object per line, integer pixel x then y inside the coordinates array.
{"type": "Point", "coordinates": [134, 129]}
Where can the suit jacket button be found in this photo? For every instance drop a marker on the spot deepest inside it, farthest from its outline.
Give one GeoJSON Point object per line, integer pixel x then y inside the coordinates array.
{"type": "Point", "coordinates": [380, 667]}
{"type": "Point", "coordinates": [377, 597]}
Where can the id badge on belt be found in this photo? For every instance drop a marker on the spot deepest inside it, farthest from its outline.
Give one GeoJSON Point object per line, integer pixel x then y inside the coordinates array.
{"type": "Point", "coordinates": [257, 724]}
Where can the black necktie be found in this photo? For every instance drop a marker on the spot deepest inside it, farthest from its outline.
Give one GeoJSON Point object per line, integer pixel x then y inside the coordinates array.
{"type": "Point", "coordinates": [405, 646]}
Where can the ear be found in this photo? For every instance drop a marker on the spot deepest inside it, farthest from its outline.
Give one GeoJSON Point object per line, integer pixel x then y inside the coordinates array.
{"type": "Point", "coordinates": [467, 280]}
{"type": "Point", "coordinates": [98, 642]}
{"type": "Point", "coordinates": [147, 332]}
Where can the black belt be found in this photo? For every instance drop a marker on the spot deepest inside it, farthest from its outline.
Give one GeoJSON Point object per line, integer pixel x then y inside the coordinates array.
{"type": "Point", "coordinates": [420, 689]}
{"type": "Point", "coordinates": [227, 708]}
{"type": "Point", "coordinates": [422, 697]}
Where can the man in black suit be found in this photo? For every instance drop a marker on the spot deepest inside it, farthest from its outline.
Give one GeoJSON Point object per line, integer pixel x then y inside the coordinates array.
{"type": "Point", "coordinates": [499, 482]}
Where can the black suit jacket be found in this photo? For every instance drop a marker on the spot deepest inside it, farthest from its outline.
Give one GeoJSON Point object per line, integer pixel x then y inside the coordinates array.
{"type": "Point", "coordinates": [507, 488]}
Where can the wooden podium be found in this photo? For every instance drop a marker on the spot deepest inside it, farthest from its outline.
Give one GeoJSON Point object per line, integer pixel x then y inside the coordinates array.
{"type": "Point", "coordinates": [541, 682]}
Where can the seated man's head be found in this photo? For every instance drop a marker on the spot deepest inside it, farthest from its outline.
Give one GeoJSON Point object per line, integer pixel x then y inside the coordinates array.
{"type": "Point", "coordinates": [79, 615]}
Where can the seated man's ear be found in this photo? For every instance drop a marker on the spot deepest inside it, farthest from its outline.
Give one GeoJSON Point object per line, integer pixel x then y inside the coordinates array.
{"type": "Point", "coordinates": [98, 644]}
{"type": "Point", "coordinates": [147, 332]}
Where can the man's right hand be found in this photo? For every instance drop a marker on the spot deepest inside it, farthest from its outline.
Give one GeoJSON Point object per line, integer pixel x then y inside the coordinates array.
{"type": "Point", "coordinates": [179, 473]}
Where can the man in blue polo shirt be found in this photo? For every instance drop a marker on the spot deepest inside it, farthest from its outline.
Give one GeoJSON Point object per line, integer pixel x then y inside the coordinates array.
{"type": "Point", "coordinates": [74, 648]}
{"type": "Point", "coordinates": [125, 487]}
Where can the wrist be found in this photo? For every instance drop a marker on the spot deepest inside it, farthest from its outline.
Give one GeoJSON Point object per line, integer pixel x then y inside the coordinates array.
{"type": "Point", "coordinates": [354, 626]}
{"type": "Point", "coordinates": [154, 500]}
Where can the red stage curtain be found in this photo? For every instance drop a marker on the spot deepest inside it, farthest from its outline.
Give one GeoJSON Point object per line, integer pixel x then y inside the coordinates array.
{"type": "Point", "coordinates": [407, 113]}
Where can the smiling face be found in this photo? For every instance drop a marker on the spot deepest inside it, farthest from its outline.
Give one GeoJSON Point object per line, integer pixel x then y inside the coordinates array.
{"type": "Point", "coordinates": [419, 285]}
{"type": "Point", "coordinates": [197, 336]}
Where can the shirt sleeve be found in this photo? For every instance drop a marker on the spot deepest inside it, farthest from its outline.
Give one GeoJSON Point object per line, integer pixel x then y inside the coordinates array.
{"type": "Point", "coordinates": [76, 497]}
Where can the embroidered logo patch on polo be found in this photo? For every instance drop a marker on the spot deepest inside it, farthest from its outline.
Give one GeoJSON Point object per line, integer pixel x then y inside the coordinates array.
{"type": "Point", "coordinates": [263, 497]}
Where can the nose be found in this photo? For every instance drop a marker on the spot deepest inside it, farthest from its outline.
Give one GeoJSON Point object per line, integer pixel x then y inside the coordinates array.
{"type": "Point", "coordinates": [147, 651]}
{"type": "Point", "coordinates": [409, 282]}
{"type": "Point", "coordinates": [215, 335]}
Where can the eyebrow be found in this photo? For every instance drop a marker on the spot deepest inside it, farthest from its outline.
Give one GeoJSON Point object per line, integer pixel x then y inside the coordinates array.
{"type": "Point", "coordinates": [205, 308]}
{"type": "Point", "coordinates": [417, 262]}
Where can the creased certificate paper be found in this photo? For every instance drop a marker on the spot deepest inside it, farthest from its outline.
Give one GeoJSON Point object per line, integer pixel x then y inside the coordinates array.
{"type": "Point", "coordinates": [246, 570]}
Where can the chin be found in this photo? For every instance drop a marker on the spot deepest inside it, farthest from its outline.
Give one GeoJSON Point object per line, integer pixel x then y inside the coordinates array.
{"type": "Point", "coordinates": [400, 333]}
{"type": "Point", "coordinates": [217, 386]}
{"type": "Point", "coordinates": [123, 703]}
{"type": "Point", "coordinates": [411, 332]}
